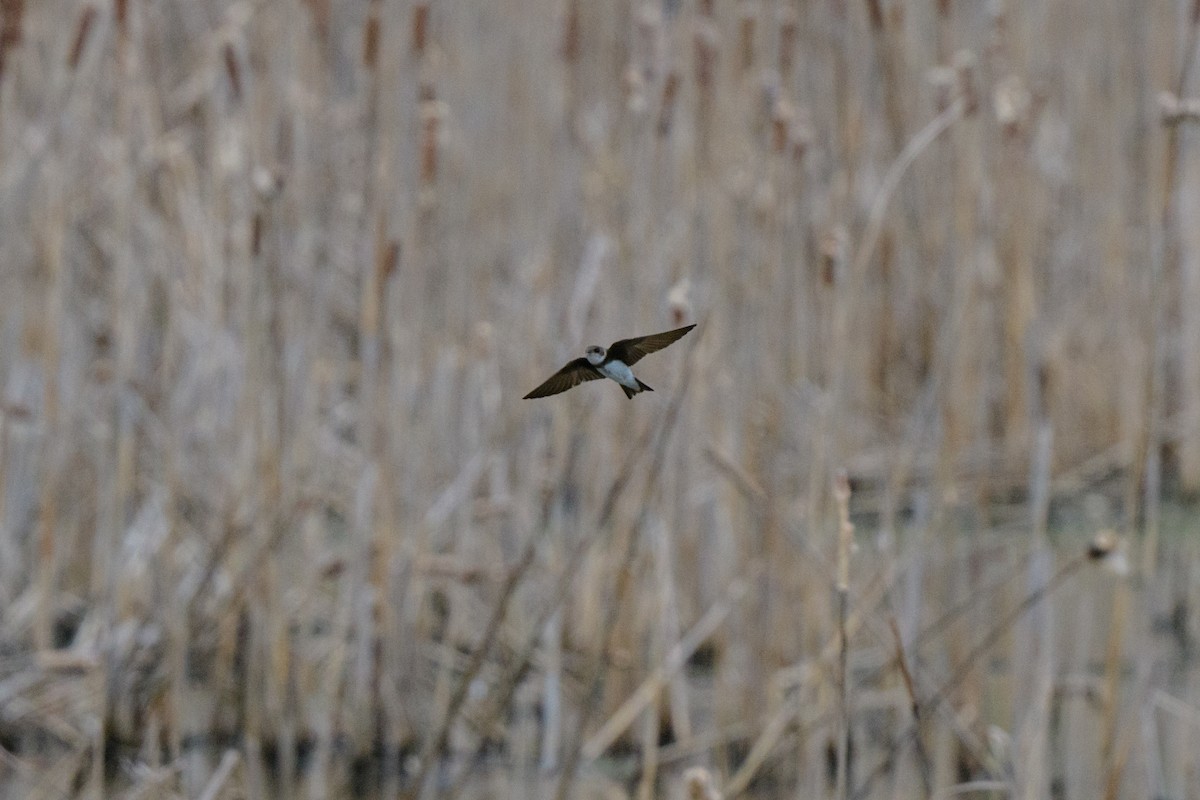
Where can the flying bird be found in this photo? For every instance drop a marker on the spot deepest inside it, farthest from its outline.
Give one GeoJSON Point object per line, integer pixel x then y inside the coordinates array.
{"type": "Point", "coordinates": [614, 363]}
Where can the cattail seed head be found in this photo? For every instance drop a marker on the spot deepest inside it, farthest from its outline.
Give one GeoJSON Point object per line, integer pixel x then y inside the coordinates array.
{"type": "Point", "coordinates": [82, 31]}
{"type": "Point", "coordinates": [967, 67]}
{"type": "Point", "coordinates": [789, 34]}
{"type": "Point", "coordinates": [666, 111]}
{"type": "Point", "coordinates": [419, 33]}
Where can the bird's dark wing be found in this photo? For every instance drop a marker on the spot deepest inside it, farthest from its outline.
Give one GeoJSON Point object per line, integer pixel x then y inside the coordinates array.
{"type": "Point", "coordinates": [573, 374]}
{"type": "Point", "coordinates": [631, 351]}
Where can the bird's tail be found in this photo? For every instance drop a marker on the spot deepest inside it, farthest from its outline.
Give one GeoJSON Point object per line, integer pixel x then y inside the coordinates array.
{"type": "Point", "coordinates": [641, 388]}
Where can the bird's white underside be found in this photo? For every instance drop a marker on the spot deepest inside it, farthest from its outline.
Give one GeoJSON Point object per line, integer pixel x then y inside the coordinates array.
{"type": "Point", "coordinates": [620, 372]}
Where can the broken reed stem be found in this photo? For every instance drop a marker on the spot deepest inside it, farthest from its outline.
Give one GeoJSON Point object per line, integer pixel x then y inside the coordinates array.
{"type": "Point", "coordinates": [845, 540]}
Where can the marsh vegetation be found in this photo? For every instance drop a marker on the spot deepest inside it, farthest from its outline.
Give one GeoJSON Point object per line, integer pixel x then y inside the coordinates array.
{"type": "Point", "coordinates": [276, 522]}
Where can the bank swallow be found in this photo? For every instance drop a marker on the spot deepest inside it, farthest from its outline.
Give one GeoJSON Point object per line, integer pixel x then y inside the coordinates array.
{"type": "Point", "coordinates": [614, 363]}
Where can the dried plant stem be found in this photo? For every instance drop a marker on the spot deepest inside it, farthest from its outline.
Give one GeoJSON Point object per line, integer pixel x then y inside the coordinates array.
{"type": "Point", "coordinates": [857, 275]}
{"type": "Point", "coordinates": [437, 743]}
{"type": "Point", "coordinates": [1164, 267]}
{"type": "Point", "coordinates": [845, 541]}
{"type": "Point", "coordinates": [625, 572]}
{"type": "Point", "coordinates": [777, 724]}
{"type": "Point", "coordinates": [963, 668]}
{"type": "Point", "coordinates": [1113, 657]}
{"type": "Point", "coordinates": [624, 716]}
{"type": "Point", "coordinates": [507, 684]}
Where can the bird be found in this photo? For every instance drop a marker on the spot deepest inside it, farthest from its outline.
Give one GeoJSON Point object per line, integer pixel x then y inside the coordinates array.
{"type": "Point", "coordinates": [614, 362]}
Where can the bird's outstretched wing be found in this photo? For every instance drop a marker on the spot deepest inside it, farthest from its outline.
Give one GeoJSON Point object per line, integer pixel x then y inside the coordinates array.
{"type": "Point", "coordinates": [573, 374]}
{"type": "Point", "coordinates": [631, 351]}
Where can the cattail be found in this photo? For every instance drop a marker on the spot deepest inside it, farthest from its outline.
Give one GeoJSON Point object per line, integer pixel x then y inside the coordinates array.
{"type": "Point", "coordinates": [389, 260]}
{"type": "Point", "coordinates": [420, 28]}
{"type": "Point", "coordinates": [789, 33]}
{"type": "Point", "coordinates": [256, 234]}
{"type": "Point", "coordinates": [232, 71]}
{"type": "Point", "coordinates": [666, 111]}
{"type": "Point", "coordinates": [875, 15]}
{"type": "Point", "coordinates": [707, 41]}
{"type": "Point", "coordinates": [782, 119]}
{"type": "Point", "coordinates": [11, 14]}
{"type": "Point", "coordinates": [571, 34]}
{"type": "Point", "coordinates": [432, 114]}
{"type": "Point", "coordinates": [321, 12]}
{"type": "Point", "coordinates": [82, 31]}
{"type": "Point", "coordinates": [966, 68]}
{"type": "Point", "coordinates": [371, 37]}
{"type": "Point", "coordinates": [746, 25]}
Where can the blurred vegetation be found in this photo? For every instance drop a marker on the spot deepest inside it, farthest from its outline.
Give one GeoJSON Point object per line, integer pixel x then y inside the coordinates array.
{"type": "Point", "coordinates": [275, 522]}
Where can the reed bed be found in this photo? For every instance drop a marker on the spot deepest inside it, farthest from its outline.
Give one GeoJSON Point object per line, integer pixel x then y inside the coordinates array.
{"type": "Point", "coordinates": [910, 513]}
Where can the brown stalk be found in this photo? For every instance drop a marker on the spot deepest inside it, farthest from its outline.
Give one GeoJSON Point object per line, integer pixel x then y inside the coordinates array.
{"type": "Point", "coordinates": [83, 30]}
{"type": "Point", "coordinates": [963, 669]}
{"type": "Point", "coordinates": [666, 109]}
{"type": "Point", "coordinates": [845, 541]}
{"type": "Point", "coordinates": [419, 29]}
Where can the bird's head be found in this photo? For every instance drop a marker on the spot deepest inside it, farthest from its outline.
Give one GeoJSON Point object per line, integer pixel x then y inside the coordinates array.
{"type": "Point", "coordinates": [595, 355]}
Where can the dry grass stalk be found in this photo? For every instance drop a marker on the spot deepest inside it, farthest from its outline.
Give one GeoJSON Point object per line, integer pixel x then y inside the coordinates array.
{"type": "Point", "coordinates": [747, 20]}
{"type": "Point", "coordinates": [12, 14]}
{"type": "Point", "coordinates": [845, 544]}
{"type": "Point", "coordinates": [648, 692]}
{"type": "Point", "coordinates": [371, 35]}
{"type": "Point", "coordinates": [666, 108]}
{"type": "Point", "coordinates": [419, 29]}
{"type": "Point", "coordinates": [789, 35]}
{"type": "Point", "coordinates": [83, 30]}
{"type": "Point", "coordinates": [337, 474]}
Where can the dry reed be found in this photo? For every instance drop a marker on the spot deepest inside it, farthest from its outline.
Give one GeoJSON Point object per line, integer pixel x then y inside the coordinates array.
{"type": "Point", "coordinates": [273, 522]}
